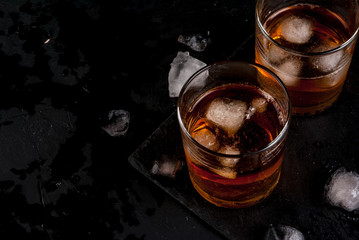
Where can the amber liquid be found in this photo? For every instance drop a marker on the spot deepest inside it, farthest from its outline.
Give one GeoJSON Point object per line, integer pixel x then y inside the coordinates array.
{"type": "Point", "coordinates": [318, 83]}
{"type": "Point", "coordinates": [251, 179]}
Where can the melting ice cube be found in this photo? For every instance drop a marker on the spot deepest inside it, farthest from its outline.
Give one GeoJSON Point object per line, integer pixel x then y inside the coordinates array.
{"type": "Point", "coordinates": [260, 104]}
{"type": "Point", "coordinates": [297, 30]}
{"type": "Point", "coordinates": [328, 62]}
{"type": "Point", "coordinates": [288, 72]}
{"type": "Point", "coordinates": [183, 67]}
{"type": "Point", "coordinates": [257, 105]}
{"type": "Point", "coordinates": [276, 55]}
{"type": "Point", "coordinates": [197, 42]}
{"type": "Point", "coordinates": [119, 121]}
{"type": "Point", "coordinates": [206, 138]}
{"type": "Point", "coordinates": [343, 190]}
{"type": "Point", "coordinates": [227, 114]}
{"type": "Point", "coordinates": [226, 161]}
{"type": "Point", "coordinates": [283, 232]}
{"type": "Point", "coordinates": [166, 166]}
{"type": "Point", "coordinates": [225, 172]}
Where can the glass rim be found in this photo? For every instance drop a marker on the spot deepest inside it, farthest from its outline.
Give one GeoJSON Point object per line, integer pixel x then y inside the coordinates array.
{"type": "Point", "coordinates": [299, 53]}
{"type": "Point", "coordinates": [277, 139]}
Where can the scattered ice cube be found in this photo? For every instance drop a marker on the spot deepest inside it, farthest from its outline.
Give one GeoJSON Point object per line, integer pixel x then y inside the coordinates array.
{"type": "Point", "coordinates": [197, 42]}
{"type": "Point", "coordinates": [283, 232]}
{"type": "Point", "coordinates": [297, 30]}
{"type": "Point", "coordinates": [206, 138]}
{"type": "Point", "coordinates": [227, 114]}
{"type": "Point", "coordinates": [343, 190]}
{"type": "Point", "coordinates": [289, 71]}
{"type": "Point", "coordinates": [119, 121]}
{"type": "Point", "coordinates": [226, 161]}
{"type": "Point", "coordinates": [328, 62]}
{"type": "Point", "coordinates": [183, 67]}
{"type": "Point", "coordinates": [166, 166]}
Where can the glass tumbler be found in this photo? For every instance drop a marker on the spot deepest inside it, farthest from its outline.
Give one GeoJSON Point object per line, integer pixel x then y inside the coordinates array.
{"type": "Point", "coordinates": [309, 44]}
{"type": "Point", "coordinates": [234, 118]}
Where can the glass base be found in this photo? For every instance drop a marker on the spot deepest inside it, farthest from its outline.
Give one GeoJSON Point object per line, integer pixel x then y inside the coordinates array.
{"type": "Point", "coordinates": [234, 204]}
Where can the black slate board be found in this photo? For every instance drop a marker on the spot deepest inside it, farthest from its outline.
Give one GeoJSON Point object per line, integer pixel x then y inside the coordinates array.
{"type": "Point", "coordinates": [317, 146]}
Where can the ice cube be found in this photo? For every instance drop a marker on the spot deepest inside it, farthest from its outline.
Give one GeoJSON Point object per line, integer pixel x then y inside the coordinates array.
{"type": "Point", "coordinates": [283, 232]}
{"type": "Point", "coordinates": [297, 30]}
{"type": "Point", "coordinates": [166, 166]}
{"type": "Point", "coordinates": [276, 55]}
{"type": "Point", "coordinates": [257, 105]}
{"type": "Point", "coordinates": [183, 67]}
{"type": "Point", "coordinates": [260, 104]}
{"type": "Point", "coordinates": [226, 172]}
{"type": "Point", "coordinates": [343, 190]}
{"type": "Point", "coordinates": [119, 121]}
{"type": "Point", "coordinates": [289, 71]}
{"type": "Point", "coordinates": [206, 138]}
{"type": "Point", "coordinates": [197, 42]}
{"type": "Point", "coordinates": [226, 161]}
{"type": "Point", "coordinates": [227, 114]}
{"type": "Point", "coordinates": [328, 62]}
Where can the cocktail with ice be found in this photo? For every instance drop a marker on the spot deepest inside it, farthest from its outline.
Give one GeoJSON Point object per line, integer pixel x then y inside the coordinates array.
{"type": "Point", "coordinates": [309, 46]}
{"type": "Point", "coordinates": [234, 118]}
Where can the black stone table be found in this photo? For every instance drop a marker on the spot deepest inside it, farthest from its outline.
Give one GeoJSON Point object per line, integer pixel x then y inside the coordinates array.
{"type": "Point", "coordinates": [67, 66]}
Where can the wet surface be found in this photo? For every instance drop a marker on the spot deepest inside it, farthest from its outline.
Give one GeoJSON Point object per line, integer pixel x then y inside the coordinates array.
{"type": "Point", "coordinates": [65, 65]}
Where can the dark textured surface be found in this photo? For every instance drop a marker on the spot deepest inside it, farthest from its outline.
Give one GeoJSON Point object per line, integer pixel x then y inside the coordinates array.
{"type": "Point", "coordinates": [66, 64]}
{"type": "Point", "coordinates": [317, 146]}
